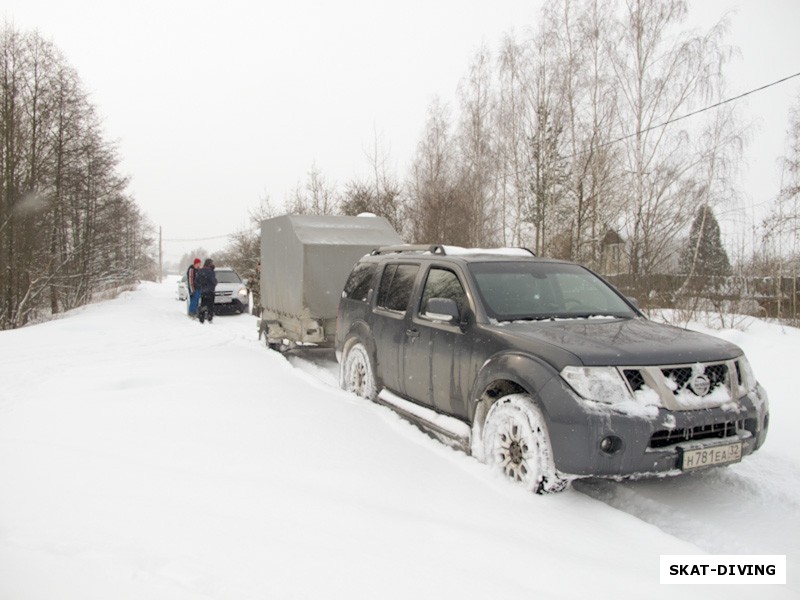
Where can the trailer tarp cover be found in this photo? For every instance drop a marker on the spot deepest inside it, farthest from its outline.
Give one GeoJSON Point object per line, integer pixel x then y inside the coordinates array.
{"type": "Point", "coordinates": [305, 260]}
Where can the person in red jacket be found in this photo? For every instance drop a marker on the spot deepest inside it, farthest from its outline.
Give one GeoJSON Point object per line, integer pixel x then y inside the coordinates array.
{"type": "Point", "coordinates": [194, 293]}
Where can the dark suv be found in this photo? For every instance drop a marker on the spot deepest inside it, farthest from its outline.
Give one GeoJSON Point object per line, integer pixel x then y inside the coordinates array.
{"type": "Point", "coordinates": [541, 368]}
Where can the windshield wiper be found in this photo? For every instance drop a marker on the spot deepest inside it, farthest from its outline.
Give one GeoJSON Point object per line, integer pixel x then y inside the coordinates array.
{"type": "Point", "coordinates": [517, 319]}
{"type": "Point", "coordinates": [565, 316]}
{"type": "Point", "coordinates": [589, 315]}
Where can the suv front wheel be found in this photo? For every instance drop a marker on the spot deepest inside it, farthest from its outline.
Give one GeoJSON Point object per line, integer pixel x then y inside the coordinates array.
{"type": "Point", "coordinates": [356, 374]}
{"type": "Point", "coordinates": [516, 442]}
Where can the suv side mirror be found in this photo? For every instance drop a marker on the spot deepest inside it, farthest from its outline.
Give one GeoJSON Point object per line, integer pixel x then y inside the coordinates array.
{"type": "Point", "coordinates": [442, 309]}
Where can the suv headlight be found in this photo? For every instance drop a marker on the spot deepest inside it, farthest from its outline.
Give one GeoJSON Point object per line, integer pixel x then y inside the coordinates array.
{"type": "Point", "coordinates": [601, 384]}
{"type": "Point", "coordinates": [243, 292]}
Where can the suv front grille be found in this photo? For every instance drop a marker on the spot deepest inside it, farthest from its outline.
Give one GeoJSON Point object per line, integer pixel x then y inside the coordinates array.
{"type": "Point", "coordinates": [635, 379]}
{"type": "Point", "coordinates": [682, 377]}
{"type": "Point", "coordinates": [667, 437]}
{"type": "Point", "coordinates": [673, 383]}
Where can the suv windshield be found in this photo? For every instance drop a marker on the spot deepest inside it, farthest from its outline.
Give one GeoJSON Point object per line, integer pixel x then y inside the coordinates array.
{"type": "Point", "coordinates": [227, 277]}
{"type": "Point", "coordinates": [529, 290]}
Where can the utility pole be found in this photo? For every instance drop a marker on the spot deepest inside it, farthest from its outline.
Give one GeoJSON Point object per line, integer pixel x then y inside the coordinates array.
{"type": "Point", "coordinates": [160, 257]}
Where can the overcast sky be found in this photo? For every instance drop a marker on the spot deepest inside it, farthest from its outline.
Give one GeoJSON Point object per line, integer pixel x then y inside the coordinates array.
{"type": "Point", "coordinates": [216, 105]}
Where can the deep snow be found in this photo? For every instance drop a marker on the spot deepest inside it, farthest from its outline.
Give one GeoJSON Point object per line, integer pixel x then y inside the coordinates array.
{"type": "Point", "coordinates": [143, 455]}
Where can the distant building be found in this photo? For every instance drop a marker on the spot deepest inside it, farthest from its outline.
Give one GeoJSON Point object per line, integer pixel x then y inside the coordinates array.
{"type": "Point", "coordinates": [613, 260]}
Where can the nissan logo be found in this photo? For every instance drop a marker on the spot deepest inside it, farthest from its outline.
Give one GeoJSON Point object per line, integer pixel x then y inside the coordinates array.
{"type": "Point", "coordinates": [701, 384]}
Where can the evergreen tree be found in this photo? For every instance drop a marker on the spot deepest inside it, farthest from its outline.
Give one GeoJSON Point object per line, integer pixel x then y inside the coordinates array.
{"type": "Point", "coordinates": [704, 254]}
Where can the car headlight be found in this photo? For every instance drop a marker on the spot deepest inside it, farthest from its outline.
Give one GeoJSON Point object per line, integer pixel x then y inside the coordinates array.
{"type": "Point", "coordinates": [601, 384]}
{"type": "Point", "coordinates": [243, 292]}
{"type": "Point", "coordinates": [749, 381]}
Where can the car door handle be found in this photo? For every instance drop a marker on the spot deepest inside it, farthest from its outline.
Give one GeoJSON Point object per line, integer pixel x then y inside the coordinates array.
{"type": "Point", "coordinates": [412, 333]}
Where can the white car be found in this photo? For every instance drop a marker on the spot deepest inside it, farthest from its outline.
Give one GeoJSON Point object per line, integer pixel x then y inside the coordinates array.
{"type": "Point", "coordinates": [230, 295]}
{"type": "Point", "coordinates": [183, 291]}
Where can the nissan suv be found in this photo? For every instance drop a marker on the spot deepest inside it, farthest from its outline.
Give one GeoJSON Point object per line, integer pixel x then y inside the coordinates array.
{"type": "Point", "coordinates": [541, 368]}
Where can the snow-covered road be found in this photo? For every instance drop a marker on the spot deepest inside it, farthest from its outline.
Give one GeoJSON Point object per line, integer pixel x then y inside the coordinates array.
{"type": "Point", "coordinates": [143, 455]}
{"type": "Point", "coordinates": [762, 493]}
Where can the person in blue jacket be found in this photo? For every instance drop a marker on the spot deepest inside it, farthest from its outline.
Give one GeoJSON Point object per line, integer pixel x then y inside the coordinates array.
{"type": "Point", "coordinates": [194, 295]}
{"type": "Point", "coordinates": [205, 281]}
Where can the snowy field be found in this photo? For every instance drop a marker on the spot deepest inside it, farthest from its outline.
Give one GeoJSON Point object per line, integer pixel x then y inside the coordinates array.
{"type": "Point", "coordinates": [146, 456]}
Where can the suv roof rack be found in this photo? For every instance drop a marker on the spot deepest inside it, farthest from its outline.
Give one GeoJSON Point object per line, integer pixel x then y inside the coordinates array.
{"type": "Point", "coordinates": [433, 249]}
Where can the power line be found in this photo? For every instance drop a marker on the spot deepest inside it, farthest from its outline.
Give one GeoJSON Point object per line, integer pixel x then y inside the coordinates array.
{"type": "Point", "coordinates": [215, 237]}
{"type": "Point", "coordinates": [670, 121]}
{"type": "Point", "coordinates": [701, 110]}
{"type": "Point", "coordinates": [205, 239]}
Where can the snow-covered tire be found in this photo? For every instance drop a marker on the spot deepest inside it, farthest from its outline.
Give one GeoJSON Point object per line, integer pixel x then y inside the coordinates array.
{"type": "Point", "coordinates": [516, 443]}
{"type": "Point", "coordinates": [263, 330]}
{"type": "Point", "coordinates": [356, 374]}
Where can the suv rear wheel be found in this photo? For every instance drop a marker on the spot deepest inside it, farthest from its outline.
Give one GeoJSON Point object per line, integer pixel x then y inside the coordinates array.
{"type": "Point", "coordinates": [516, 442]}
{"type": "Point", "coordinates": [356, 374]}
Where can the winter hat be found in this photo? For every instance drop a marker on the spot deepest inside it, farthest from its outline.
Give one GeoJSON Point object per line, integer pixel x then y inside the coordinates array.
{"type": "Point", "coordinates": [197, 261]}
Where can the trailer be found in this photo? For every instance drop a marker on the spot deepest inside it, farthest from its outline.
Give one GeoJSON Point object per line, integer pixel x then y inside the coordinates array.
{"type": "Point", "coordinates": [305, 262]}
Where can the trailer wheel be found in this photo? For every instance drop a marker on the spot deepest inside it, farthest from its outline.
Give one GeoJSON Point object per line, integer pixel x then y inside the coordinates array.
{"type": "Point", "coordinates": [276, 346]}
{"type": "Point", "coordinates": [356, 374]}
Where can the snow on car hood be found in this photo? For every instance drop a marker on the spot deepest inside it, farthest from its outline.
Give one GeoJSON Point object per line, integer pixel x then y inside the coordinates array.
{"type": "Point", "coordinates": [617, 342]}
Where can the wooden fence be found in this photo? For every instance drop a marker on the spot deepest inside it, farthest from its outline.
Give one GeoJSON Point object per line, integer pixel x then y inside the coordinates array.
{"type": "Point", "coordinates": [775, 297]}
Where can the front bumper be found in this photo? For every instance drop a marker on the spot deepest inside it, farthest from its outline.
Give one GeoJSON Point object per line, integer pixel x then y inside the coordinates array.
{"type": "Point", "coordinates": [645, 445]}
{"type": "Point", "coordinates": [229, 304]}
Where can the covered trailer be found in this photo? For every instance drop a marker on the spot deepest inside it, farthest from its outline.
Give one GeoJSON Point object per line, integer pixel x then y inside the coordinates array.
{"type": "Point", "coordinates": [305, 262]}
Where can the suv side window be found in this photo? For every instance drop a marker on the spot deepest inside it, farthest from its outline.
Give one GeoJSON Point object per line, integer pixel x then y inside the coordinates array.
{"type": "Point", "coordinates": [358, 284]}
{"type": "Point", "coordinates": [396, 286]}
{"type": "Point", "coordinates": [443, 283]}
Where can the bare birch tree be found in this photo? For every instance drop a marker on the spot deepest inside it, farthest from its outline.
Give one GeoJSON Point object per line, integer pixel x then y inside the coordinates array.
{"type": "Point", "coordinates": [436, 210]}
{"type": "Point", "coordinates": [661, 73]}
{"type": "Point", "coordinates": [512, 155]}
{"type": "Point", "coordinates": [476, 151]}
{"type": "Point", "coordinates": [781, 228]}
{"type": "Point", "coordinates": [548, 174]}
{"type": "Point", "coordinates": [316, 197]}
{"type": "Point", "coordinates": [381, 194]}
{"type": "Point", "coordinates": [580, 31]}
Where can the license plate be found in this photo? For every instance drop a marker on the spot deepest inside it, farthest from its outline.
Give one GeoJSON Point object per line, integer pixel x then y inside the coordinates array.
{"type": "Point", "coordinates": [716, 455]}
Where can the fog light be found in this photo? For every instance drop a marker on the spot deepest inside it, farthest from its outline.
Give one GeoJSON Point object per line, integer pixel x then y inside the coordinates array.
{"type": "Point", "coordinates": [610, 444]}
